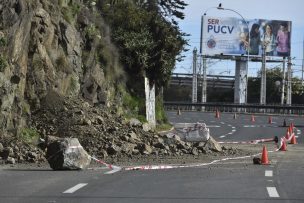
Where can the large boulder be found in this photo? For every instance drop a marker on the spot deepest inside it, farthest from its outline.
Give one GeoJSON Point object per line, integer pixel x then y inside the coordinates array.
{"type": "Point", "coordinates": [67, 154]}
{"type": "Point", "coordinates": [213, 145]}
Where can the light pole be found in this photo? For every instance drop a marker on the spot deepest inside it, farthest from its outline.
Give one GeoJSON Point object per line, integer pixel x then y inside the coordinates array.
{"type": "Point", "coordinates": [247, 65]}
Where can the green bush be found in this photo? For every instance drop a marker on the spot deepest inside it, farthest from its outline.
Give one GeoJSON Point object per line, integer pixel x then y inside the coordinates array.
{"type": "Point", "coordinates": [160, 114]}
{"type": "Point", "coordinates": [29, 136]}
{"type": "Point", "coordinates": [3, 64]}
{"type": "Point", "coordinates": [3, 42]}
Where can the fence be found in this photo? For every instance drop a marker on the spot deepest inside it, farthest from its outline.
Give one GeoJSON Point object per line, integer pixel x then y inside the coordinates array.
{"type": "Point", "coordinates": [240, 108]}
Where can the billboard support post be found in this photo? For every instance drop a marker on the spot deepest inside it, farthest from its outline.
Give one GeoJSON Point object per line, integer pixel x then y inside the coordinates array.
{"type": "Point", "coordinates": [204, 85]}
{"type": "Point", "coordinates": [283, 83]}
{"type": "Point", "coordinates": [194, 78]}
{"type": "Point", "coordinates": [263, 77]}
{"type": "Point", "coordinates": [247, 66]}
{"type": "Point", "coordinates": [240, 82]}
{"type": "Point", "coordinates": [288, 102]}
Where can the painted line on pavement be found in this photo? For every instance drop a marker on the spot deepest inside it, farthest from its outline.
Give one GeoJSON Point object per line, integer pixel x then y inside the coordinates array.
{"type": "Point", "coordinates": [75, 188]}
{"type": "Point", "coordinates": [223, 136]}
{"type": "Point", "coordinates": [268, 173]}
{"type": "Point", "coordinates": [272, 192]}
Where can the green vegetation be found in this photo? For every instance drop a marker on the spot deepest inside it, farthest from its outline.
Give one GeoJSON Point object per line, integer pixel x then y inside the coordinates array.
{"type": "Point", "coordinates": [3, 42]}
{"type": "Point", "coordinates": [3, 64]}
{"type": "Point", "coordinates": [149, 42]}
{"type": "Point", "coordinates": [29, 136]}
{"type": "Point", "coordinates": [160, 112]}
{"type": "Point", "coordinates": [147, 36]}
{"type": "Point", "coordinates": [91, 31]}
{"type": "Point", "coordinates": [70, 12]}
{"type": "Point", "coordinates": [163, 127]}
{"type": "Point", "coordinates": [274, 88]}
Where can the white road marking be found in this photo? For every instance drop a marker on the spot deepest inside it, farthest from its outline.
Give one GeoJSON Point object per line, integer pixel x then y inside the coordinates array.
{"type": "Point", "coordinates": [222, 123]}
{"type": "Point", "coordinates": [114, 170]}
{"type": "Point", "coordinates": [230, 125]}
{"type": "Point", "coordinates": [233, 130]}
{"type": "Point", "coordinates": [272, 192]}
{"type": "Point", "coordinates": [75, 188]}
{"type": "Point", "coordinates": [233, 127]}
{"type": "Point", "coordinates": [268, 173]}
{"type": "Point", "coordinates": [222, 136]}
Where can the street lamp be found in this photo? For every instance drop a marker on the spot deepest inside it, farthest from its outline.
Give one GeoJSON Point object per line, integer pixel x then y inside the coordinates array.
{"type": "Point", "coordinates": [247, 65]}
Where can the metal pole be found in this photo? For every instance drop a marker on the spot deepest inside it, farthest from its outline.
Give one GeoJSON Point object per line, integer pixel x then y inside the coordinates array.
{"type": "Point", "coordinates": [283, 82]}
{"type": "Point", "coordinates": [194, 78]}
{"type": "Point", "coordinates": [263, 78]}
{"type": "Point", "coordinates": [204, 86]}
{"type": "Point", "coordinates": [303, 63]}
{"type": "Point", "coordinates": [288, 102]}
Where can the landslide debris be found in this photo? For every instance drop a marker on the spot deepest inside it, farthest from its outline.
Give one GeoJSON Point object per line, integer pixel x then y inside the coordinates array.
{"type": "Point", "coordinates": [106, 135]}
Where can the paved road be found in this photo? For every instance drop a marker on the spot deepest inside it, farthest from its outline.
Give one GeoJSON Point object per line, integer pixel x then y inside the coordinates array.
{"type": "Point", "coordinates": [226, 181]}
{"type": "Point", "coordinates": [226, 128]}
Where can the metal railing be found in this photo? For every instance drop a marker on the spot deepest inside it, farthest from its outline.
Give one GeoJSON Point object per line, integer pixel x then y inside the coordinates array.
{"type": "Point", "coordinates": [239, 108]}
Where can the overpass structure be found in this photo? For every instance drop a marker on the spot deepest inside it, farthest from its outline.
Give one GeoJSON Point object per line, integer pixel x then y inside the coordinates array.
{"type": "Point", "coordinates": [215, 81]}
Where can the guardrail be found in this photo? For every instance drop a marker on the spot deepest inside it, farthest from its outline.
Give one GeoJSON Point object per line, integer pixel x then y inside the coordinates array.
{"type": "Point", "coordinates": [240, 108]}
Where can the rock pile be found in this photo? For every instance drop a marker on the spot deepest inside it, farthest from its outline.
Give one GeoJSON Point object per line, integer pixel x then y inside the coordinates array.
{"type": "Point", "coordinates": [18, 152]}
{"type": "Point", "coordinates": [102, 133]}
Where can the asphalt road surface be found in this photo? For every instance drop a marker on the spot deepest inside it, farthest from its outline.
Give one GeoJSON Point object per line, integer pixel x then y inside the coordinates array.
{"type": "Point", "coordinates": [236, 180]}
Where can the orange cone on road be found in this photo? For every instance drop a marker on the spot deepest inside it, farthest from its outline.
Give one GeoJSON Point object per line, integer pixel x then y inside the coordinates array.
{"type": "Point", "coordinates": [270, 120]}
{"type": "Point", "coordinates": [290, 129]}
{"type": "Point", "coordinates": [252, 118]}
{"type": "Point", "coordinates": [217, 114]}
{"type": "Point", "coordinates": [293, 140]}
{"type": "Point", "coordinates": [283, 146]}
{"type": "Point", "coordinates": [287, 136]}
{"type": "Point", "coordinates": [264, 159]}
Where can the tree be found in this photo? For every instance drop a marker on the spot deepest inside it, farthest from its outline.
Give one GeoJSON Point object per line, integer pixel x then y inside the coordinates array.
{"type": "Point", "coordinates": [148, 38]}
{"type": "Point", "coordinates": [273, 87]}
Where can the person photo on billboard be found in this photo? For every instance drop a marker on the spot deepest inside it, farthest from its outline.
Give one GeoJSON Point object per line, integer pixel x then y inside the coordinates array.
{"type": "Point", "coordinates": [283, 40]}
{"type": "Point", "coordinates": [244, 36]}
{"type": "Point", "coordinates": [255, 39]}
{"type": "Point", "coordinates": [268, 40]}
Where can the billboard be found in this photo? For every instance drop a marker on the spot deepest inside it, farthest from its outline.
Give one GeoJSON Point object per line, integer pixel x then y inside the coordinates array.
{"type": "Point", "coordinates": [230, 36]}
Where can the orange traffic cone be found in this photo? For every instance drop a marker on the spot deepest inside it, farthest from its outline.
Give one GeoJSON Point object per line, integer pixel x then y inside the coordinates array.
{"type": "Point", "coordinates": [290, 129]}
{"type": "Point", "coordinates": [283, 146]}
{"type": "Point", "coordinates": [252, 118]}
{"type": "Point", "coordinates": [217, 114]}
{"type": "Point", "coordinates": [287, 136]}
{"type": "Point", "coordinates": [265, 160]}
{"type": "Point", "coordinates": [293, 140]}
{"type": "Point", "coordinates": [270, 120]}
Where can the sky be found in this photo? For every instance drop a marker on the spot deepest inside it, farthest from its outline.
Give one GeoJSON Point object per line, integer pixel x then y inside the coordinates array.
{"type": "Point", "coordinates": [286, 10]}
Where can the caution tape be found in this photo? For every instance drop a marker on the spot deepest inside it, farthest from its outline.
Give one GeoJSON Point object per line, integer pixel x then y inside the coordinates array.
{"type": "Point", "coordinates": [157, 167]}
{"type": "Point", "coordinates": [249, 142]}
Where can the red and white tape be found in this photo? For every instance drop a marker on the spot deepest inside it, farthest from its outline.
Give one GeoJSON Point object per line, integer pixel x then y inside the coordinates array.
{"type": "Point", "coordinates": [249, 142]}
{"type": "Point", "coordinates": [157, 167]}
